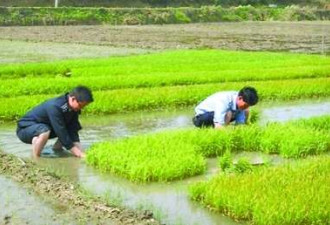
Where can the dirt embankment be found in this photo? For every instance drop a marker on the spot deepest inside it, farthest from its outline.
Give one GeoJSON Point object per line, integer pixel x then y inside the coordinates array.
{"type": "Point", "coordinates": [68, 195]}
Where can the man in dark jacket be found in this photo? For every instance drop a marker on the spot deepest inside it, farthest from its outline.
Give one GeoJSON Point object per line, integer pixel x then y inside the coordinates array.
{"type": "Point", "coordinates": [57, 117]}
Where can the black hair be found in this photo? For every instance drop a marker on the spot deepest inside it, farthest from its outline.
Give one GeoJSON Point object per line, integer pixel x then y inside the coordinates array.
{"type": "Point", "coordinates": [249, 95]}
{"type": "Point", "coordinates": [82, 94]}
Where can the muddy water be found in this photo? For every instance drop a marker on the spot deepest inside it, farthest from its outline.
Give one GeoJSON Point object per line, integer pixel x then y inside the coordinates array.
{"type": "Point", "coordinates": [17, 206]}
{"type": "Point", "coordinates": [169, 201]}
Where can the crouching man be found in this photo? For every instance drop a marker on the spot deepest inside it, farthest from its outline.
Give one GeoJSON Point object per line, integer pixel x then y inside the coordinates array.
{"type": "Point", "coordinates": [57, 117]}
{"type": "Point", "coordinates": [221, 108]}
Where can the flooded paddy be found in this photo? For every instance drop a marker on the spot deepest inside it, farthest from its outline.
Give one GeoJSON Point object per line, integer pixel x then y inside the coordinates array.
{"type": "Point", "coordinates": [168, 201]}
{"type": "Point", "coordinates": [285, 113]}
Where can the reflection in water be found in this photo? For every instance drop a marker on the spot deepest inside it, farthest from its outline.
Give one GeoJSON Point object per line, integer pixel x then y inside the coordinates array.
{"type": "Point", "coordinates": [168, 201]}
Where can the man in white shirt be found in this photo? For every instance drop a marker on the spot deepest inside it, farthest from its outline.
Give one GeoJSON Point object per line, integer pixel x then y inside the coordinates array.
{"type": "Point", "coordinates": [224, 107]}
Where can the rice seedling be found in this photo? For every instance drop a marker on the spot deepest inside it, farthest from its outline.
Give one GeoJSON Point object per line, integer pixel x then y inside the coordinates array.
{"type": "Point", "coordinates": [292, 141]}
{"type": "Point", "coordinates": [148, 98]}
{"type": "Point", "coordinates": [295, 193]}
{"type": "Point", "coordinates": [165, 97]}
{"type": "Point", "coordinates": [147, 158]}
{"type": "Point", "coordinates": [243, 165]}
{"type": "Point", "coordinates": [225, 161]}
{"type": "Point", "coordinates": [245, 138]}
{"type": "Point", "coordinates": [47, 69]}
{"type": "Point", "coordinates": [12, 71]}
{"type": "Point", "coordinates": [161, 69]}
{"type": "Point", "coordinates": [321, 123]}
{"type": "Point", "coordinates": [13, 108]}
{"type": "Point", "coordinates": [178, 154]}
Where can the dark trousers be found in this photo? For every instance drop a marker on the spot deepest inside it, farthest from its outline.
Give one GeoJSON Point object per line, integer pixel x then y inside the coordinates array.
{"type": "Point", "coordinates": [26, 134]}
{"type": "Point", "coordinates": [204, 120]}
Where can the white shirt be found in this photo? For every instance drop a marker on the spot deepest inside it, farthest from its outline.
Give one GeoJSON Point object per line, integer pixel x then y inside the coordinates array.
{"type": "Point", "coordinates": [219, 103]}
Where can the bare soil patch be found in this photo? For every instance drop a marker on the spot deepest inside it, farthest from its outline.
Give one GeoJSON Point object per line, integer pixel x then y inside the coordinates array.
{"type": "Point", "coordinates": [309, 37]}
{"type": "Point", "coordinates": [21, 51]}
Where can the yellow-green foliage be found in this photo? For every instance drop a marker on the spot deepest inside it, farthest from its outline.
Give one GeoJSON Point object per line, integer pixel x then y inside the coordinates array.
{"type": "Point", "coordinates": [292, 194]}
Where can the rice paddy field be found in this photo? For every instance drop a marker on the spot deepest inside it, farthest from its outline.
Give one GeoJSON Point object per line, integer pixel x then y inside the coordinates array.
{"type": "Point", "coordinates": [144, 153]}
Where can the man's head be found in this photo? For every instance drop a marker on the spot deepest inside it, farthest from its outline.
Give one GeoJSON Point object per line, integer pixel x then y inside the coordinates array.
{"type": "Point", "coordinates": [247, 96]}
{"type": "Point", "coordinates": [79, 97]}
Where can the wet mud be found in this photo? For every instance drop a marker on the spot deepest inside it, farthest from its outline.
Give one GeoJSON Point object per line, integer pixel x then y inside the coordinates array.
{"type": "Point", "coordinates": [19, 206]}
{"type": "Point", "coordinates": [67, 195]}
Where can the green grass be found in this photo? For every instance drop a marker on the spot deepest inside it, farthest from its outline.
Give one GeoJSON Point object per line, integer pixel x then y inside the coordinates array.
{"type": "Point", "coordinates": [296, 193]}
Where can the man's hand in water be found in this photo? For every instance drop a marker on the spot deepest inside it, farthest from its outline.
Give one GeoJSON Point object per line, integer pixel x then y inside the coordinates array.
{"type": "Point", "coordinates": [76, 151]}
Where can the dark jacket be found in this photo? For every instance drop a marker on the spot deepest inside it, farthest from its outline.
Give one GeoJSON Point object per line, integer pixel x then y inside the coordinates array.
{"type": "Point", "coordinates": [57, 114]}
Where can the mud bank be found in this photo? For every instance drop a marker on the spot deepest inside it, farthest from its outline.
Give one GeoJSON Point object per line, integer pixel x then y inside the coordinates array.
{"type": "Point", "coordinates": [67, 195]}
